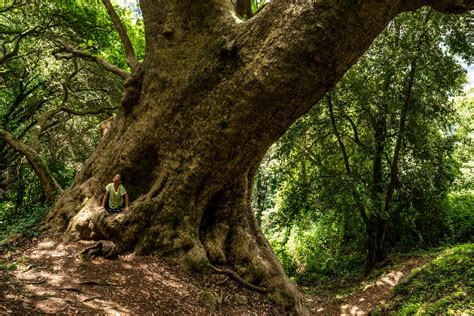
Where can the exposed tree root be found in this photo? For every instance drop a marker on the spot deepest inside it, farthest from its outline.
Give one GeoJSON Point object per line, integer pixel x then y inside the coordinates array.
{"type": "Point", "coordinates": [34, 282]}
{"type": "Point", "coordinates": [73, 289]}
{"type": "Point", "coordinates": [91, 298]}
{"type": "Point", "coordinates": [103, 248]}
{"type": "Point", "coordinates": [236, 277]}
{"type": "Point", "coordinates": [226, 278]}
{"type": "Point", "coordinates": [98, 282]}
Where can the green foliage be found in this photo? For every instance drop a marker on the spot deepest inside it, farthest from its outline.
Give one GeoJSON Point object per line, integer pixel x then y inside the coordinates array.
{"type": "Point", "coordinates": [464, 152]}
{"type": "Point", "coordinates": [8, 266]}
{"type": "Point", "coordinates": [257, 5]}
{"type": "Point", "coordinates": [304, 193]}
{"type": "Point", "coordinates": [95, 31]}
{"type": "Point", "coordinates": [442, 286]}
{"type": "Point", "coordinates": [24, 221]}
{"type": "Point", "coordinates": [460, 217]}
{"type": "Point", "coordinates": [41, 78]}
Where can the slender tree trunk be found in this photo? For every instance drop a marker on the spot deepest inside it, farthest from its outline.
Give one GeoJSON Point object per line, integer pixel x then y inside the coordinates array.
{"type": "Point", "coordinates": [376, 232]}
{"type": "Point", "coordinates": [131, 58]}
{"type": "Point", "coordinates": [212, 95]}
{"type": "Point", "coordinates": [380, 246]}
{"type": "Point", "coordinates": [51, 187]}
{"type": "Point", "coordinates": [375, 227]}
{"type": "Point", "coordinates": [380, 216]}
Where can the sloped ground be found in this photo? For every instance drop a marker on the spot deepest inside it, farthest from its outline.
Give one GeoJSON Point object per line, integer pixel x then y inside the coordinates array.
{"type": "Point", "coordinates": [45, 276]}
{"type": "Point", "coordinates": [367, 295]}
{"type": "Point", "coordinates": [439, 282]}
{"type": "Point", "coordinates": [443, 286]}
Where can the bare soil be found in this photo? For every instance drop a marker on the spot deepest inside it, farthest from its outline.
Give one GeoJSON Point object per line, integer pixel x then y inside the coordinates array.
{"type": "Point", "coordinates": [364, 295]}
{"type": "Point", "coordinates": [46, 276]}
{"type": "Point", "coordinates": [50, 278]}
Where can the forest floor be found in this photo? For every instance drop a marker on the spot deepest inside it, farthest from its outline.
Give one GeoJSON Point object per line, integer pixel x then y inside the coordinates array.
{"type": "Point", "coordinates": [360, 295]}
{"type": "Point", "coordinates": [44, 275]}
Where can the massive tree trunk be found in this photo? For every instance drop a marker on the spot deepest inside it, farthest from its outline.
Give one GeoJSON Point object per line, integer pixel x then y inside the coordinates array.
{"type": "Point", "coordinates": [212, 95]}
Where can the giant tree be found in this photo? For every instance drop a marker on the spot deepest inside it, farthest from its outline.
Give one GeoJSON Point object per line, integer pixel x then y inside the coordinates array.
{"type": "Point", "coordinates": [212, 94]}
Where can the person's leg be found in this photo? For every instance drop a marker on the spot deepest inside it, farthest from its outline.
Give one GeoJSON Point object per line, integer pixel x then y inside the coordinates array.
{"type": "Point", "coordinates": [107, 207]}
{"type": "Point", "coordinates": [115, 210]}
{"type": "Point", "coordinates": [109, 210]}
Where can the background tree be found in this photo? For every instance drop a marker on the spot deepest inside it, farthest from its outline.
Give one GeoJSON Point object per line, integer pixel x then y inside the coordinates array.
{"type": "Point", "coordinates": [52, 100]}
{"type": "Point", "coordinates": [46, 98]}
{"type": "Point", "coordinates": [377, 152]}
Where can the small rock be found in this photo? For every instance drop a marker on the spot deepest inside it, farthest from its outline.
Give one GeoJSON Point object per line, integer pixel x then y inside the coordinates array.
{"type": "Point", "coordinates": [208, 298]}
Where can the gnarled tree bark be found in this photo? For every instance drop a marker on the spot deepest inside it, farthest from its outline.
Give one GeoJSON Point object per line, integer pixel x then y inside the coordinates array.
{"type": "Point", "coordinates": [214, 93]}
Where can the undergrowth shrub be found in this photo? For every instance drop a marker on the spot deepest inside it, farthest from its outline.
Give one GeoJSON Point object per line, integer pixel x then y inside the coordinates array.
{"type": "Point", "coordinates": [24, 220]}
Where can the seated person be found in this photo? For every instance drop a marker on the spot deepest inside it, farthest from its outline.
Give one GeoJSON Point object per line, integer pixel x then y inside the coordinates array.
{"type": "Point", "coordinates": [115, 196]}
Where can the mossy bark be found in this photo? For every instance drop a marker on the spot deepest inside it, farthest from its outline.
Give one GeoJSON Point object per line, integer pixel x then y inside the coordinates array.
{"type": "Point", "coordinates": [212, 95]}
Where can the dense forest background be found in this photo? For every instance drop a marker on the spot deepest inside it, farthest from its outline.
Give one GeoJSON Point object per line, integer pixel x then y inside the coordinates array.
{"type": "Point", "coordinates": [382, 166]}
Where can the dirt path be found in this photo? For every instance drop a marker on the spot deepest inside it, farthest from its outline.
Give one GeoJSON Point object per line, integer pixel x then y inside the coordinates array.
{"type": "Point", "coordinates": [47, 277]}
{"type": "Point", "coordinates": [366, 297]}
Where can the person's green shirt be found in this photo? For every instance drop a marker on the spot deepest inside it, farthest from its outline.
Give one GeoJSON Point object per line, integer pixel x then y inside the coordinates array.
{"type": "Point", "coordinates": [115, 196]}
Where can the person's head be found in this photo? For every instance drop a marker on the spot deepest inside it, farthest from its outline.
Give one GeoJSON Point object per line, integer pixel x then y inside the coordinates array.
{"type": "Point", "coordinates": [117, 178]}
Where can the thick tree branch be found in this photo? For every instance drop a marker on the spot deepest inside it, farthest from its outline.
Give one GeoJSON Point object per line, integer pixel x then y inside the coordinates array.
{"type": "Point", "coordinates": [131, 58]}
{"type": "Point", "coordinates": [205, 16]}
{"type": "Point", "coordinates": [50, 186]}
{"type": "Point", "coordinates": [307, 46]}
{"type": "Point", "coordinates": [88, 56]}
{"type": "Point", "coordinates": [87, 112]}
{"type": "Point", "coordinates": [39, 127]}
